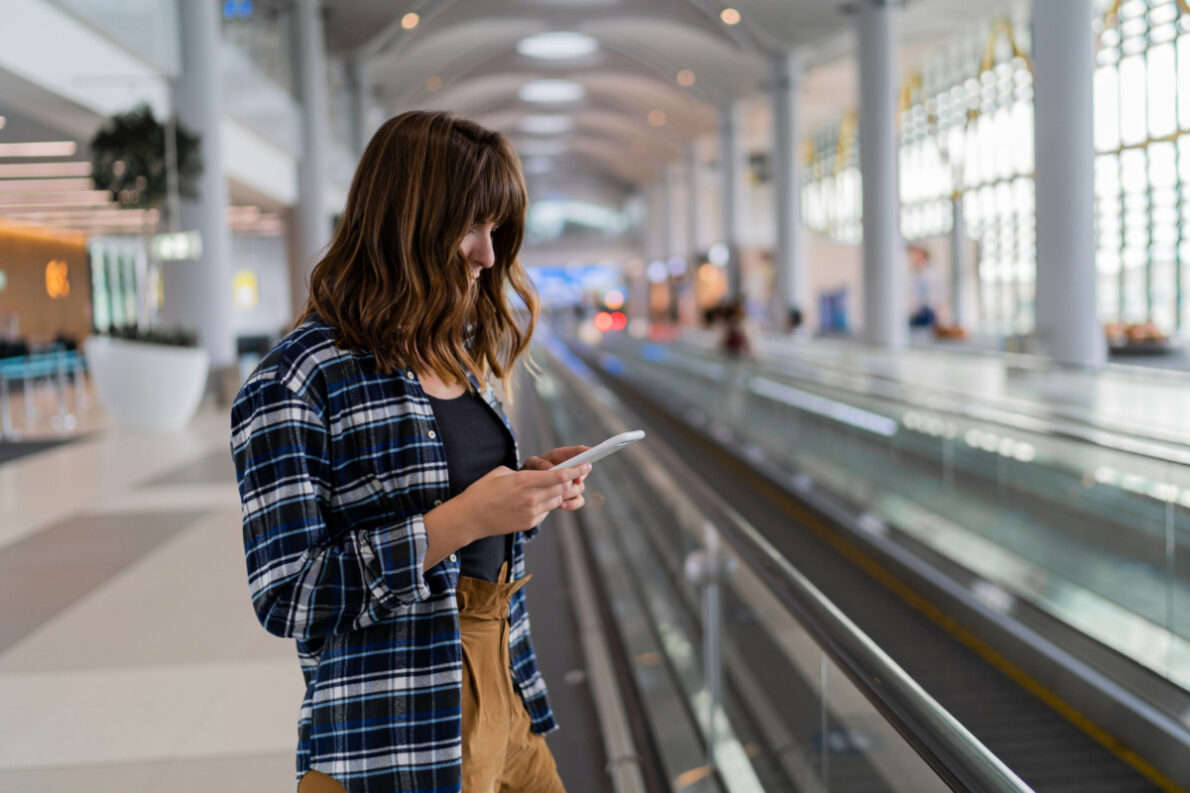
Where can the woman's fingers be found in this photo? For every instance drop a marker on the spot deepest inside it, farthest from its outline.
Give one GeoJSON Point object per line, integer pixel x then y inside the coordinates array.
{"type": "Point", "coordinates": [563, 453]}
{"type": "Point", "coordinates": [543, 480]}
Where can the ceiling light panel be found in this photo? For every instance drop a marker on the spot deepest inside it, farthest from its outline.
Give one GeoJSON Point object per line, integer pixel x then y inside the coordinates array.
{"type": "Point", "coordinates": [44, 185]}
{"type": "Point", "coordinates": [541, 148]}
{"type": "Point", "coordinates": [86, 197]}
{"type": "Point", "coordinates": [560, 45]}
{"type": "Point", "coordinates": [58, 148]}
{"type": "Point", "coordinates": [546, 125]}
{"type": "Point", "coordinates": [43, 170]}
{"type": "Point", "coordinates": [546, 91]}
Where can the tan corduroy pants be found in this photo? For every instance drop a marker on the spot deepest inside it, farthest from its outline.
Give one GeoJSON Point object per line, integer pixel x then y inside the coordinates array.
{"type": "Point", "coordinates": [501, 754]}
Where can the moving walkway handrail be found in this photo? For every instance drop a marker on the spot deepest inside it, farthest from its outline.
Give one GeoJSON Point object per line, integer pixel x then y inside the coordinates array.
{"type": "Point", "coordinates": [958, 757]}
{"type": "Point", "coordinates": [1113, 440]}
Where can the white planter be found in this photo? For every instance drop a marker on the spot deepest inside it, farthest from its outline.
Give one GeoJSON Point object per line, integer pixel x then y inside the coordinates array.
{"type": "Point", "coordinates": [147, 386]}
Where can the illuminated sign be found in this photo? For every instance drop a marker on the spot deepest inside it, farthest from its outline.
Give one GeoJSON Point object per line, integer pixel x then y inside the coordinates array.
{"type": "Point", "coordinates": [57, 283]}
{"type": "Point", "coordinates": [177, 246]}
{"type": "Point", "coordinates": [245, 290]}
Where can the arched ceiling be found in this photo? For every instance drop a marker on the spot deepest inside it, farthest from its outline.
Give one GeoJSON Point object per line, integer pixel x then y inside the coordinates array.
{"type": "Point", "coordinates": [634, 117]}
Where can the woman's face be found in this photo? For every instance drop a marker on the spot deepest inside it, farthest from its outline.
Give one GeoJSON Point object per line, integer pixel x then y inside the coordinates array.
{"type": "Point", "coordinates": [478, 248]}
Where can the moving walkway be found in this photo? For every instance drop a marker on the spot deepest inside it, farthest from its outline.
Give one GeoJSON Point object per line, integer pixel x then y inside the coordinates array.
{"type": "Point", "coordinates": [823, 476]}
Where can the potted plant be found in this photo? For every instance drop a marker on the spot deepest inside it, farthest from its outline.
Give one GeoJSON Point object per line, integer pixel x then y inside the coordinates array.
{"type": "Point", "coordinates": [147, 378]}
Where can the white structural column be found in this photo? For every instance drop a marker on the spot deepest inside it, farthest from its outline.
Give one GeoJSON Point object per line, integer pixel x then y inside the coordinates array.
{"type": "Point", "coordinates": [198, 294]}
{"type": "Point", "coordinates": [313, 220]}
{"type": "Point", "coordinates": [666, 211]}
{"type": "Point", "coordinates": [358, 83]}
{"type": "Point", "coordinates": [368, 117]}
{"type": "Point", "coordinates": [885, 310]}
{"type": "Point", "coordinates": [1063, 60]}
{"type": "Point", "coordinates": [958, 261]}
{"type": "Point", "coordinates": [790, 260]}
{"type": "Point", "coordinates": [677, 218]}
{"type": "Point", "coordinates": [731, 192]}
{"type": "Point", "coordinates": [693, 206]}
{"type": "Point", "coordinates": [678, 264]}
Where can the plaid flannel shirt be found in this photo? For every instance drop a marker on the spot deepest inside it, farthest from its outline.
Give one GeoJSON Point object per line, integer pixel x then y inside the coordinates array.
{"type": "Point", "coordinates": [336, 463]}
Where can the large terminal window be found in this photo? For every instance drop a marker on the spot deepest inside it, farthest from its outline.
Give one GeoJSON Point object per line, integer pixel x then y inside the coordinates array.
{"type": "Point", "coordinates": [1142, 162]}
{"type": "Point", "coordinates": [966, 128]}
{"type": "Point", "coordinates": [832, 196]}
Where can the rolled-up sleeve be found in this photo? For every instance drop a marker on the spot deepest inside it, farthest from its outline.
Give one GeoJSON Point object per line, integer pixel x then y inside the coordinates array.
{"type": "Point", "coordinates": [307, 577]}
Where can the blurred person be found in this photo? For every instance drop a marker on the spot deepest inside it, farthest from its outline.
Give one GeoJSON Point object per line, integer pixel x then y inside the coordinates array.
{"type": "Point", "coordinates": [384, 518]}
{"type": "Point", "coordinates": [737, 338]}
{"type": "Point", "coordinates": [923, 287]}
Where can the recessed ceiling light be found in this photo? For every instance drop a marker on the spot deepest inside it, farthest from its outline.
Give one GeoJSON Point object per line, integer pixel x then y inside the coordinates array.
{"type": "Point", "coordinates": [433, 83]}
{"type": "Point", "coordinates": [539, 165]}
{"type": "Point", "coordinates": [59, 148]}
{"type": "Point", "coordinates": [551, 91]}
{"type": "Point", "coordinates": [686, 78]}
{"type": "Point", "coordinates": [546, 125]}
{"type": "Point", "coordinates": [410, 20]}
{"type": "Point", "coordinates": [657, 118]}
{"type": "Point", "coordinates": [730, 16]}
{"type": "Point", "coordinates": [557, 46]}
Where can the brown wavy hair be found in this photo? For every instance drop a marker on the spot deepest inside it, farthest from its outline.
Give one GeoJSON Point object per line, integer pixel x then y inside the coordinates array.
{"type": "Point", "coordinates": [394, 281]}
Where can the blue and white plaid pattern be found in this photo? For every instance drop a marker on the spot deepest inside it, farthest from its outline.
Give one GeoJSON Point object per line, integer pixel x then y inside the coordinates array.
{"type": "Point", "coordinates": [336, 463]}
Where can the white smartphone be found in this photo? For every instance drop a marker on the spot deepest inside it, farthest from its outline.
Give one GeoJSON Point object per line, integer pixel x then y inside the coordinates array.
{"type": "Point", "coordinates": [612, 444]}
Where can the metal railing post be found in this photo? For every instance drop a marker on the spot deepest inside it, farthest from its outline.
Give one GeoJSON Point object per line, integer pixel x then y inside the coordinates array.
{"type": "Point", "coordinates": [712, 638]}
{"type": "Point", "coordinates": [81, 400]}
{"type": "Point", "coordinates": [63, 420]}
{"type": "Point", "coordinates": [31, 412]}
{"type": "Point", "coordinates": [7, 432]}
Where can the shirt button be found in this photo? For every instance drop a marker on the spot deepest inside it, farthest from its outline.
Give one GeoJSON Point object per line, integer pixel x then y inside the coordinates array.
{"type": "Point", "coordinates": [437, 502]}
{"type": "Point", "coordinates": [409, 375]}
{"type": "Point", "coordinates": [454, 558]}
{"type": "Point", "coordinates": [433, 435]}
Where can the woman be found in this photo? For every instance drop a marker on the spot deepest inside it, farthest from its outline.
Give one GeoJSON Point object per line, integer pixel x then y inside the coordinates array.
{"type": "Point", "coordinates": [384, 515]}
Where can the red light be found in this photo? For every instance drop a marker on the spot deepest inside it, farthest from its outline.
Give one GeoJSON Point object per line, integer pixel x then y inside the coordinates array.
{"type": "Point", "coordinates": [619, 321]}
{"type": "Point", "coordinates": [603, 322]}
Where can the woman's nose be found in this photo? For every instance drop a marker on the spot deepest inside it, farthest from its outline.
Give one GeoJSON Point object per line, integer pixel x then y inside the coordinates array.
{"type": "Point", "coordinates": [485, 253]}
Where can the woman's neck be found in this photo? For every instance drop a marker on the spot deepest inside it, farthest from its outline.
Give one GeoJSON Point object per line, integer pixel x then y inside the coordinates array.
{"type": "Point", "coordinates": [432, 384]}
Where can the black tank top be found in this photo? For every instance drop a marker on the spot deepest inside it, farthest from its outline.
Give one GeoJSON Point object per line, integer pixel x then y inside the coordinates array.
{"type": "Point", "coordinates": [475, 441]}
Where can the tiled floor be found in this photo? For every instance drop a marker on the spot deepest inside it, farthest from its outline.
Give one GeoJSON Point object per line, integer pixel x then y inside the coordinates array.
{"type": "Point", "coordinates": [130, 659]}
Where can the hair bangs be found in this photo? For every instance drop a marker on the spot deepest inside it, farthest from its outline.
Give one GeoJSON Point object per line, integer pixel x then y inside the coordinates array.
{"type": "Point", "coordinates": [499, 192]}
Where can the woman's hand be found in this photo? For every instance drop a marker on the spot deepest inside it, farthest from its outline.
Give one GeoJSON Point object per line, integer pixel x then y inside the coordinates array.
{"type": "Point", "coordinates": [560, 455]}
{"type": "Point", "coordinates": [503, 501]}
